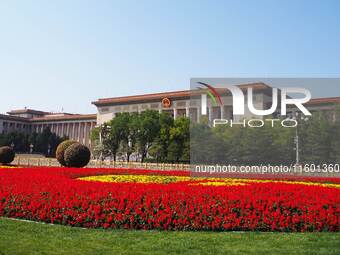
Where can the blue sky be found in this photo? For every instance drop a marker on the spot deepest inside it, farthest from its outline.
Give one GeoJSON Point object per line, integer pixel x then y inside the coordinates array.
{"type": "Point", "coordinates": [65, 54]}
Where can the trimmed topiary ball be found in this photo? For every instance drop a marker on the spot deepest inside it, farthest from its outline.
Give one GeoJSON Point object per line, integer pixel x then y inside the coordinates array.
{"type": "Point", "coordinates": [77, 155]}
{"type": "Point", "coordinates": [60, 152]}
{"type": "Point", "coordinates": [7, 155]}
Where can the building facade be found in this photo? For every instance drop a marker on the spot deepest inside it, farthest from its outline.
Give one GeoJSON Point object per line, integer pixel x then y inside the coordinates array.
{"type": "Point", "coordinates": [183, 103]}
{"type": "Point", "coordinates": [177, 103]}
{"type": "Point", "coordinates": [188, 103]}
{"type": "Point", "coordinates": [75, 126]}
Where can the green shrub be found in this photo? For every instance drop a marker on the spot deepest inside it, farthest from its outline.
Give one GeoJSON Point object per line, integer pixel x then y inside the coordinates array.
{"type": "Point", "coordinates": [7, 155]}
{"type": "Point", "coordinates": [77, 155]}
{"type": "Point", "coordinates": [60, 152]}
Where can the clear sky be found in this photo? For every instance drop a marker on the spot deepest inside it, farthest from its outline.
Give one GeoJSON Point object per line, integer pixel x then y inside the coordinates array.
{"type": "Point", "coordinates": [65, 54]}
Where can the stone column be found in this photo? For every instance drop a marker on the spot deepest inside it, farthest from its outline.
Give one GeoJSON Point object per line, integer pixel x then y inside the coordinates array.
{"type": "Point", "coordinates": [85, 133]}
{"type": "Point", "coordinates": [187, 112]}
{"type": "Point", "coordinates": [222, 112]}
{"type": "Point", "coordinates": [175, 113]}
{"type": "Point", "coordinates": [67, 129]}
{"type": "Point", "coordinates": [73, 131]}
{"type": "Point", "coordinates": [79, 132]}
{"type": "Point", "coordinates": [210, 114]}
{"type": "Point", "coordinates": [198, 114]}
{"type": "Point", "coordinates": [62, 129]}
{"type": "Point", "coordinates": [88, 132]}
{"type": "Point", "coordinates": [90, 128]}
{"type": "Point", "coordinates": [76, 129]}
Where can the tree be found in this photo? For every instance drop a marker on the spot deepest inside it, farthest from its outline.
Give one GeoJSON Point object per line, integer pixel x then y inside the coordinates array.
{"type": "Point", "coordinates": [179, 147]}
{"type": "Point", "coordinates": [118, 136]}
{"type": "Point", "coordinates": [43, 142]}
{"type": "Point", "coordinates": [159, 148]}
{"type": "Point", "coordinates": [283, 145]}
{"type": "Point", "coordinates": [110, 134]}
{"type": "Point", "coordinates": [124, 129]}
{"type": "Point", "coordinates": [148, 130]}
{"type": "Point", "coordinates": [203, 143]}
{"type": "Point", "coordinates": [18, 139]}
{"type": "Point", "coordinates": [315, 139]}
{"type": "Point", "coordinates": [47, 142]}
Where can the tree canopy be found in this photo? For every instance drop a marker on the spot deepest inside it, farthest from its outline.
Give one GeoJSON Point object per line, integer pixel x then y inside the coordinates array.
{"type": "Point", "coordinates": [44, 143]}
{"type": "Point", "coordinates": [154, 136]}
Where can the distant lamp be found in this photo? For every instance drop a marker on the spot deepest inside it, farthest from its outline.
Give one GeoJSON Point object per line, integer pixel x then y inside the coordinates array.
{"type": "Point", "coordinates": [49, 149]}
{"type": "Point", "coordinates": [31, 148]}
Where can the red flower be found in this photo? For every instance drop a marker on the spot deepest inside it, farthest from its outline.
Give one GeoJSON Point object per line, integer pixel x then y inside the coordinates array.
{"type": "Point", "coordinates": [54, 195]}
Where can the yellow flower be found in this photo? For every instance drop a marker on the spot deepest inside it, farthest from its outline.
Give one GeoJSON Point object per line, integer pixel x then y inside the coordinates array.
{"type": "Point", "coordinates": [193, 180]}
{"type": "Point", "coordinates": [136, 178]}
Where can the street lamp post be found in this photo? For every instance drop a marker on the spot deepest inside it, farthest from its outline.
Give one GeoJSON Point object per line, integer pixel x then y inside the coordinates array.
{"type": "Point", "coordinates": [100, 136]}
{"type": "Point", "coordinates": [102, 132]}
{"type": "Point", "coordinates": [296, 139]}
{"type": "Point", "coordinates": [297, 146]}
{"type": "Point", "coordinates": [49, 149]}
{"type": "Point", "coordinates": [31, 148]}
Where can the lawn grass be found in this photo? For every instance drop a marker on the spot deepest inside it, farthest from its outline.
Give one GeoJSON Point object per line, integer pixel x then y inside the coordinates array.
{"type": "Point", "coordinates": [19, 237]}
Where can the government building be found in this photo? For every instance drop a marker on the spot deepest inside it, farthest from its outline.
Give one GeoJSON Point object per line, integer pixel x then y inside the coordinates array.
{"type": "Point", "coordinates": [75, 126]}
{"type": "Point", "coordinates": [177, 103]}
{"type": "Point", "coordinates": [183, 103]}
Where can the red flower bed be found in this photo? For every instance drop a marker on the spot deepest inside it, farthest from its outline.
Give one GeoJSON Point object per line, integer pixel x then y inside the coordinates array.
{"type": "Point", "coordinates": [53, 195]}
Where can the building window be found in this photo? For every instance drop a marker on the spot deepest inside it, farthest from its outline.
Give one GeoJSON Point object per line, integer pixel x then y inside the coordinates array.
{"type": "Point", "coordinates": [180, 104]}
{"type": "Point", "coordinates": [181, 112]}
{"type": "Point", "coordinates": [154, 106]}
{"type": "Point", "coordinates": [104, 109]}
{"type": "Point", "coordinates": [193, 114]}
{"type": "Point", "coordinates": [228, 112]}
{"type": "Point", "coordinates": [216, 113]}
{"type": "Point", "coordinates": [170, 112]}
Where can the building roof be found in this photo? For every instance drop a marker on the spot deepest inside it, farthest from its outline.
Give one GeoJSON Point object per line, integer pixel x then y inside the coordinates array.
{"type": "Point", "coordinates": [145, 97]}
{"type": "Point", "coordinates": [46, 118]}
{"type": "Point", "coordinates": [66, 117]}
{"type": "Point", "coordinates": [171, 95]}
{"type": "Point", "coordinates": [29, 111]}
{"type": "Point", "coordinates": [324, 100]}
{"type": "Point", "coordinates": [13, 118]}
